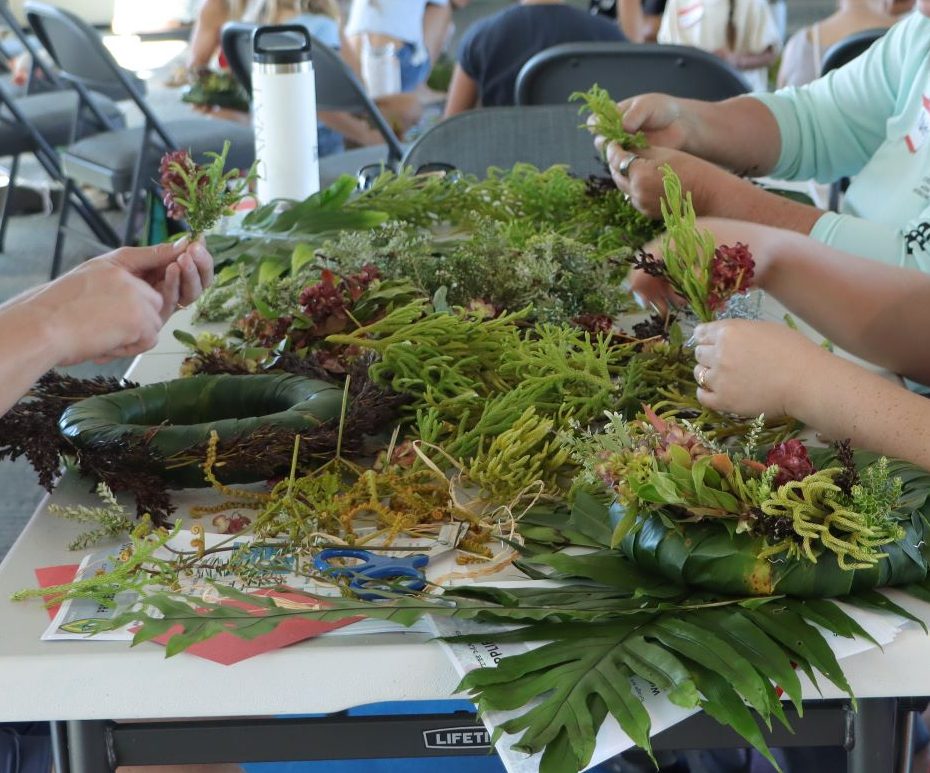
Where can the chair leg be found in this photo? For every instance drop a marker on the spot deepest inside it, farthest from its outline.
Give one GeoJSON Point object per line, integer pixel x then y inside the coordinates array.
{"type": "Point", "coordinates": [62, 225]}
{"type": "Point", "coordinates": [138, 190]}
{"type": "Point", "coordinates": [8, 201]}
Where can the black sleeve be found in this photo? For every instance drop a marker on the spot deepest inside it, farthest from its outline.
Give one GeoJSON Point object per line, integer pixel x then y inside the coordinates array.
{"type": "Point", "coordinates": [469, 56]}
{"type": "Point", "coordinates": [654, 7]}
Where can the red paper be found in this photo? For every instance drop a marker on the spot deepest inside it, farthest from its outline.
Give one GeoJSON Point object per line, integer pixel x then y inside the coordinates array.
{"type": "Point", "coordinates": [55, 575]}
{"type": "Point", "coordinates": [225, 648]}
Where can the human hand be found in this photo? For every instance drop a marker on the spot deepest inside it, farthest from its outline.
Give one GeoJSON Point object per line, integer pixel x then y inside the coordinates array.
{"type": "Point", "coordinates": [663, 119]}
{"type": "Point", "coordinates": [642, 180]}
{"type": "Point", "coordinates": [751, 367]}
{"type": "Point", "coordinates": [97, 314]}
{"type": "Point", "coordinates": [178, 271]}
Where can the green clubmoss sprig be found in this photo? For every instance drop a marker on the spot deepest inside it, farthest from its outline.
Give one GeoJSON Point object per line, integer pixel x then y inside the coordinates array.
{"type": "Point", "coordinates": [608, 120]}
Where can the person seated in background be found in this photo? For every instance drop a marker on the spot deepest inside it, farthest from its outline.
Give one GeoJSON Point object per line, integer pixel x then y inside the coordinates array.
{"type": "Point", "coordinates": [637, 28]}
{"type": "Point", "coordinates": [400, 24]}
{"type": "Point", "coordinates": [320, 18]}
{"type": "Point", "coordinates": [493, 50]}
{"type": "Point", "coordinates": [868, 119]}
{"type": "Point", "coordinates": [108, 307]}
{"type": "Point", "coordinates": [741, 32]}
{"type": "Point", "coordinates": [802, 59]}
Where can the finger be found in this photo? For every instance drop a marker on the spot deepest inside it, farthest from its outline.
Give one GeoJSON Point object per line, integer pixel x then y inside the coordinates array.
{"type": "Point", "coordinates": [706, 333]}
{"type": "Point", "coordinates": [702, 376]}
{"type": "Point", "coordinates": [600, 141]}
{"type": "Point", "coordinates": [710, 400]}
{"type": "Point", "coordinates": [170, 290]}
{"type": "Point", "coordinates": [706, 355]}
{"type": "Point", "coordinates": [138, 260]}
{"type": "Point", "coordinates": [190, 288]}
{"type": "Point", "coordinates": [615, 154]}
{"type": "Point", "coordinates": [635, 114]}
{"type": "Point", "coordinates": [623, 183]}
{"type": "Point", "coordinates": [204, 262]}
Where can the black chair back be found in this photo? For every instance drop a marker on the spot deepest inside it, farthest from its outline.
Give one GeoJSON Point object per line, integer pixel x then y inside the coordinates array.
{"type": "Point", "coordinates": [80, 56]}
{"type": "Point", "coordinates": [337, 88]}
{"type": "Point", "coordinates": [849, 48]}
{"type": "Point", "coordinates": [476, 140]}
{"type": "Point", "coordinates": [625, 70]}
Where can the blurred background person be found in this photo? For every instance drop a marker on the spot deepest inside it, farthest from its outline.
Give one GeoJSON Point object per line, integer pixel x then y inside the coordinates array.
{"type": "Point", "coordinates": [637, 27]}
{"type": "Point", "coordinates": [741, 32]}
{"type": "Point", "coordinates": [493, 50]}
{"type": "Point", "coordinates": [802, 60]}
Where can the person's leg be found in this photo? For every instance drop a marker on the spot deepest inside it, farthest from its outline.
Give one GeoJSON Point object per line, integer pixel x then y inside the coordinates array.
{"type": "Point", "coordinates": [25, 747]}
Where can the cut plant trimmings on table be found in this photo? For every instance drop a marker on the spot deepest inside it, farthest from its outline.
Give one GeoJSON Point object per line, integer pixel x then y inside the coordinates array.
{"type": "Point", "coordinates": [201, 194]}
{"type": "Point", "coordinates": [607, 620]}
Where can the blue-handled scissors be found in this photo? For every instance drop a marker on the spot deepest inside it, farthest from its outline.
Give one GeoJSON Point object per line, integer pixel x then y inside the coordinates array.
{"type": "Point", "coordinates": [372, 567]}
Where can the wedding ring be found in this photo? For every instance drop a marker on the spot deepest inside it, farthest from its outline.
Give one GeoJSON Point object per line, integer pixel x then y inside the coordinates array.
{"type": "Point", "coordinates": [702, 378]}
{"type": "Point", "coordinates": [624, 167]}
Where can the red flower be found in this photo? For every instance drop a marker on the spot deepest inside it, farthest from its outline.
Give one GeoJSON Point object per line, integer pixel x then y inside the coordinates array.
{"type": "Point", "coordinates": [730, 273]}
{"type": "Point", "coordinates": [792, 460]}
{"type": "Point", "coordinates": [172, 181]}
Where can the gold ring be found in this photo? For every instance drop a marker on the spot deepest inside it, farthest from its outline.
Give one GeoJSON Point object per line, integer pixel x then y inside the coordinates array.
{"type": "Point", "coordinates": [702, 378]}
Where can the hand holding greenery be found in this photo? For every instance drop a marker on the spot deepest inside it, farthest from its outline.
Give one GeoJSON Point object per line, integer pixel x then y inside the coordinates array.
{"type": "Point", "coordinates": [606, 120]}
{"type": "Point", "coordinates": [706, 276]}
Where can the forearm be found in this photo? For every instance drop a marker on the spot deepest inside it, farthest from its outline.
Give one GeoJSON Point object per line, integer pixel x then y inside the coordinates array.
{"type": "Point", "coordinates": [740, 134]}
{"type": "Point", "coordinates": [842, 400]}
{"type": "Point", "coordinates": [26, 351]}
{"type": "Point", "coordinates": [632, 21]}
{"type": "Point", "coordinates": [739, 199]}
{"type": "Point", "coordinates": [751, 61]}
{"type": "Point", "coordinates": [877, 312]}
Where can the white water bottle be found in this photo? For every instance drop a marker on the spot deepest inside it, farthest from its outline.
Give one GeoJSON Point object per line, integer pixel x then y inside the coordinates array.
{"type": "Point", "coordinates": [380, 68]}
{"type": "Point", "coordinates": [284, 113]}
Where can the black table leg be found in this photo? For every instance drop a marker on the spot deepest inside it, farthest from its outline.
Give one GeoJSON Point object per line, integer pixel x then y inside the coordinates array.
{"type": "Point", "coordinates": [874, 736]}
{"type": "Point", "coordinates": [60, 747]}
{"type": "Point", "coordinates": [88, 748]}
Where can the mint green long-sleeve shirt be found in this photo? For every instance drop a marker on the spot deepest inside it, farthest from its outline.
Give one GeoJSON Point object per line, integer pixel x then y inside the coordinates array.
{"type": "Point", "coordinates": [869, 119]}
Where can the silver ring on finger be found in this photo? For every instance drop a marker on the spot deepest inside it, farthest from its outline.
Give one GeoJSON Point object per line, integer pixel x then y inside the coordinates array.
{"type": "Point", "coordinates": [623, 169]}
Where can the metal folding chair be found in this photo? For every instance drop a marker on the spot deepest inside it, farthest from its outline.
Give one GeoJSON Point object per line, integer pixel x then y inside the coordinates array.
{"type": "Point", "coordinates": [476, 140]}
{"type": "Point", "coordinates": [625, 70]}
{"type": "Point", "coordinates": [38, 122]}
{"type": "Point", "coordinates": [120, 160]}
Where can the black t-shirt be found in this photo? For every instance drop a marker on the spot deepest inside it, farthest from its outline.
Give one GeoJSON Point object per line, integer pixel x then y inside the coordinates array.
{"type": "Point", "coordinates": [493, 50]}
{"type": "Point", "coordinates": [609, 7]}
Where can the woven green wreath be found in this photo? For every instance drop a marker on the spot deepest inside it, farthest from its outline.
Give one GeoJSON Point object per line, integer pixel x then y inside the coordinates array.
{"type": "Point", "coordinates": [174, 417]}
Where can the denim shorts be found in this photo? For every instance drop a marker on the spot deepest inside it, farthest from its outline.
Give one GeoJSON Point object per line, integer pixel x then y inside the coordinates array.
{"type": "Point", "coordinates": [413, 69]}
{"type": "Point", "coordinates": [25, 747]}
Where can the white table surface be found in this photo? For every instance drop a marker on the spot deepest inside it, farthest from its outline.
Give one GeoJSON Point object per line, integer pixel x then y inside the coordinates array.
{"type": "Point", "coordinates": [100, 680]}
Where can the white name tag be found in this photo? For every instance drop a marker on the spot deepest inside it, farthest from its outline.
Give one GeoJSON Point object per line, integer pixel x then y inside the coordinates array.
{"type": "Point", "coordinates": [917, 136]}
{"type": "Point", "coordinates": [691, 14]}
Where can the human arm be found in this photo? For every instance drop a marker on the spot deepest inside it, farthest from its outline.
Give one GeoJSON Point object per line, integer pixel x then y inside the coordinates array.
{"type": "Point", "coordinates": [877, 312]}
{"type": "Point", "coordinates": [110, 306]}
{"type": "Point", "coordinates": [205, 37]}
{"type": "Point", "coordinates": [632, 20]}
{"type": "Point", "coordinates": [714, 191]}
{"type": "Point", "coordinates": [754, 367]}
{"type": "Point", "coordinates": [827, 129]}
{"type": "Point", "coordinates": [463, 93]}
{"type": "Point", "coordinates": [749, 60]}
